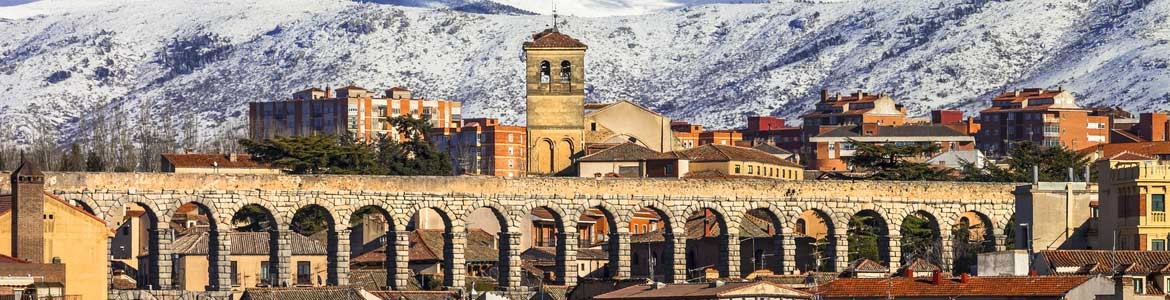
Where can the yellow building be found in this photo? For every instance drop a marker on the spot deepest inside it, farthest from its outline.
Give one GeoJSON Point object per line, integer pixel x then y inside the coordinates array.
{"type": "Point", "coordinates": [249, 260]}
{"type": "Point", "coordinates": [714, 160]}
{"type": "Point", "coordinates": [627, 122]}
{"type": "Point", "coordinates": [60, 232]}
{"type": "Point", "coordinates": [555, 77]}
{"type": "Point", "coordinates": [1132, 199]}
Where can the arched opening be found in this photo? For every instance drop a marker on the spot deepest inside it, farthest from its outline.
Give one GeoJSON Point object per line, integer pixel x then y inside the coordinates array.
{"type": "Point", "coordinates": [815, 245]}
{"type": "Point", "coordinates": [542, 258]}
{"type": "Point", "coordinates": [371, 246]}
{"type": "Point", "coordinates": [545, 72]}
{"type": "Point", "coordinates": [650, 250]}
{"type": "Point", "coordinates": [706, 245]}
{"type": "Point", "coordinates": [596, 242]}
{"type": "Point", "coordinates": [544, 157]}
{"type": "Point", "coordinates": [566, 71]}
{"type": "Point", "coordinates": [486, 250]}
{"type": "Point", "coordinates": [134, 249]}
{"type": "Point", "coordinates": [254, 247]}
{"type": "Point", "coordinates": [921, 238]}
{"type": "Point", "coordinates": [869, 237]}
{"type": "Point", "coordinates": [314, 247]}
{"type": "Point", "coordinates": [760, 243]}
{"type": "Point", "coordinates": [196, 248]}
{"type": "Point", "coordinates": [970, 236]}
{"type": "Point", "coordinates": [431, 258]}
{"type": "Point", "coordinates": [563, 158]}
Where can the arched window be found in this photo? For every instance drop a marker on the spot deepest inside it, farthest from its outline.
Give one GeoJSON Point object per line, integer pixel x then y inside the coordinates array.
{"type": "Point", "coordinates": [566, 71]}
{"type": "Point", "coordinates": [545, 72]}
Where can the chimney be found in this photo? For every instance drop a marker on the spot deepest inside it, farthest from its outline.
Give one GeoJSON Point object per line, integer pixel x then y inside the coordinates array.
{"type": "Point", "coordinates": [328, 92]}
{"type": "Point", "coordinates": [908, 273]}
{"type": "Point", "coordinates": [824, 95]}
{"type": "Point", "coordinates": [1033, 273]}
{"type": "Point", "coordinates": [838, 96]}
{"type": "Point", "coordinates": [716, 283]}
{"type": "Point", "coordinates": [860, 93]}
{"type": "Point", "coordinates": [936, 278]}
{"type": "Point", "coordinates": [963, 278]}
{"type": "Point", "coordinates": [28, 210]}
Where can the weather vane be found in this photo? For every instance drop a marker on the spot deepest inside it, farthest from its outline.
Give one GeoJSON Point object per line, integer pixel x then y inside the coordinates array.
{"type": "Point", "coordinates": [555, 16]}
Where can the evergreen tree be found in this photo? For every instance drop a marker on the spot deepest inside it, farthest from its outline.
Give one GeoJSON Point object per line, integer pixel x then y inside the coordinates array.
{"type": "Point", "coordinates": [918, 239]}
{"type": "Point", "coordinates": [892, 162]}
{"type": "Point", "coordinates": [1053, 164]}
{"type": "Point", "coordinates": [863, 238]}
{"type": "Point", "coordinates": [73, 160]}
{"type": "Point", "coordinates": [94, 163]}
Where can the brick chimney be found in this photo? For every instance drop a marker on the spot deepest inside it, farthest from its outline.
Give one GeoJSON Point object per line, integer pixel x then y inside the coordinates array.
{"type": "Point", "coordinates": [28, 210]}
{"type": "Point", "coordinates": [936, 278]}
{"type": "Point", "coordinates": [963, 278]}
{"type": "Point", "coordinates": [824, 95]}
{"type": "Point", "coordinates": [328, 92]}
{"type": "Point", "coordinates": [908, 273]}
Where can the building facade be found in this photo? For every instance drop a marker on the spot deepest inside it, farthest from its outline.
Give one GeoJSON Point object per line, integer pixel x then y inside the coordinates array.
{"type": "Point", "coordinates": [484, 147]}
{"type": "Point", "coordinates": [555, 85]}
{"type": "Point", "coordinates": [1045, 117]}
{"type": "Point", "coordinates": [834, 147]}
{"type": "Point", "coordinates": [1133, 201]}
{"type": "Point", "coordinates": [349, 109]}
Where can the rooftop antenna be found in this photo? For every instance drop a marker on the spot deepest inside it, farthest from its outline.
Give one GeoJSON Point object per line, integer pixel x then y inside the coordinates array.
{"type": "Point", "coordinates": [555, 16]}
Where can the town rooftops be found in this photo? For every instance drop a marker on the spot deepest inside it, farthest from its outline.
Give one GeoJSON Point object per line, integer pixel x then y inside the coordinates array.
{"type": "Point", "coordinates": [245, 243]}
{"type": "Point", "coordinates": [226, 161]}
{"type": "Point", "coordinates": [5, 259]}
{"type": "Point", "coordinates": [415, 295]}
{"type": "Point", "coordinates": [865, 265]}
{"type": "Point", "coordinates": [1149, 149]}
{"type": "Point", "coordinates": [1106, 262]}
{"type": "Point", "coordinates": [705, 291]}
{"type": "Point", "coordinates": [627, 152]}
{"type": "Point", "coordinates": [770, 149]}
{"type": "Point", "coordinates": [724, 153]}
{"type": "Point", "coordinates": [305, 293]}
{"type": "Point", "coordinates": [429, 244]}
{"type": "Point", "coordinates": [551, 38]}
{"type": "Point", "coordinates": [971, 288]}
{"type": "Point", "coordinates": [1032, 99]}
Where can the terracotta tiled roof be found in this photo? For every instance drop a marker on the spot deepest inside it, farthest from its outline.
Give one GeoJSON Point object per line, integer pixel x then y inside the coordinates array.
{"type": "Point", "coordinates": [427, 244]}
{"type": "Point", "coordinates": [352, 87]}
{"type": "Point", "coordinates": [595, 253]}
{"type": "Point", "coordinates": [550, 38]}
{"type": "Point", "coordinates": [399, 89]}
{"type": "Point", "coordinates": [1120, 260]}
{"type": "Point", "coordinates": [539, 254]}
{"type": "Point", "coordinates": [974, 288]}
{"type": "Point", "coordinates": [1153, 149]}
{"type": "Point", "coordinates": [719, 153]}
{"type": "Point", "coordinates": [1131, 156]}
{"type": "Point", "coordinates": [696, 291]}
{"type": "Point", "coordinates": [369, 280]}
{"type": "Point", "coordinates": [307, 293]}
{"type": "Point", "coordinates": [919, 265]}
{"type": "Point", "coordinates": [243, 161]}
{"type": "Point", "coordinates": [770, 149]}
{"type": "Point", "coordinates": [415, 295]}
{"type": "Point", "coordinates": [626, 152]}
{"type": "Point", "coordinates": [5, 259]}
{"type": "Point", "coordinates": [897, 131]}
{"type": "Point", "coordinates": [6, 205]}
{"type": "Point", "coordinates": [649, 237]}
{"type": "Point", "coordinates": [1020, 96]}
{"type": "Point", "coordinates": [246, 243]}
{"type": "Point", "coordinates": [1123, 136]}
{"type": "Point", "coordinates": [865, 265]}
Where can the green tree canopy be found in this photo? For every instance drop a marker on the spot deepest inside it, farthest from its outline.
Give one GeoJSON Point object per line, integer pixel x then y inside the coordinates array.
{"type": "Point", "coordinates": [1053, 164]}
{"type": "Point", "coordinates": [891, 161]}
{"type": "Point", "coordinates": [94, 163]}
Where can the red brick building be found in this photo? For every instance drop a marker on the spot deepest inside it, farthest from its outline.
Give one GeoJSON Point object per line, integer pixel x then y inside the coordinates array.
{"type": "Point", "coordinates": [833, 147]}
{"type": "Point", "coordinates": [848, 110]}
{"type": "Point", "coordinates": [1046, 117]}
{"type": "Point", "coordinates": [772, 131]}
{"type": "Point", "coordinates": [484, 147]}
{"type": "Point", "coordinates": [349, 109]}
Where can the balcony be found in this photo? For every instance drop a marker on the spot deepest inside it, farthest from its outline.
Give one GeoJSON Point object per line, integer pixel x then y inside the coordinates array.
{"type": "Point", "coordinates": [1158, 217]}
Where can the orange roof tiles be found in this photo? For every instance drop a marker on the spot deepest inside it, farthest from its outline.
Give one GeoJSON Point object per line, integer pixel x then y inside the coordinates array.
{"type": "Point", "coordinates": [1152, 149]}
{"type": "Point", "coordinates": [975, 287]}
{"type": "Point", "coordinates": [551, 38]}
{"type": "Point", "coordinates": [692, 291]}
{"type": "Point", "coordinates": [5, 259]}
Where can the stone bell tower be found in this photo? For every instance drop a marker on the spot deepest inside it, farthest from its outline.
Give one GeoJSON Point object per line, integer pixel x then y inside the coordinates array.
{"type": "Point", "coordinates": [28, 211]}
{"type": "Point", "coordinates": [555, 77]}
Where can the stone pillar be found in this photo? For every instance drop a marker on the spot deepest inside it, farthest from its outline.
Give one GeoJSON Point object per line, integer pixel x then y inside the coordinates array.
{"type": "Point", "coordinates": [162, 256]}
{"type": "Point", "coordinates": [456, 268]}
{"type": "Point", "coordinates": [841, 259]}
{"type": "Point", "coordinates": [895, 252]}
{"type": "Point", "coordinates": [729, 256]}
{"type": "Point", "coordinates": [280, 260]}
{"type": "Point", "coordinates": [678, 245]}
{"type": "Point", "coordinates": [787, 252]}
{"type": "Point", "coordinates": [567, 263]}
{"type": "Point", "coordinates": [509, 266]}
{"type": "Point", "coordinates": [619, 254]}
{"type": "Point", "coordinates": [339, 262]}
{"type": "Point", "coordinates": [948, 253]}
{"type": "Point", "coordinates": [398, 251]}
{"type": "Point", "coordinates": [110, 263]}
{"type": "Point", "coordinates": [220, 268]}
{"type": "Point", "coordinates": [1001, 242]}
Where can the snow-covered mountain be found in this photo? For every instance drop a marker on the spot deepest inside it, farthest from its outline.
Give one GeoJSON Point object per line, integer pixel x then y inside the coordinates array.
{"type": "Point", "coordinates": [196, 63]}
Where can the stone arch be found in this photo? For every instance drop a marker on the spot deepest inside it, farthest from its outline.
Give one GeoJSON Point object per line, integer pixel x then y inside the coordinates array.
{"type": "Point", "coordinates": [504, 235]}
{"type": "Point", "coordinates": [656, 243]}
{"type": "Point", "coordinates": [566, 74]}
{"type": "Point", "coordinates": [708, 241]}
{"type": "Point", "coordinates": [973, 233]}
{"type": "Point", "coordinates": [868, 226]}
{"type": "Point", "coordinates": [597, 229]}
{"type": "Point", "coordinates": [916, 242]}
{"type": "Point", "coordinates": [135, 246]}
{"type": "Point", "coordinates": [563, 154]}
{"type": "Point", "coordinates": [449, 226]}
{"type": "Point", "coordinates": [332, 243]}
{"type": "Point", "coordinates": [543, 157]}
{"type": "Point", "coordinates": [182, 210]}
{"type": "Point", "coordinates": [761, 241]}
{"type": "Point", "coordinates": [372, 227]}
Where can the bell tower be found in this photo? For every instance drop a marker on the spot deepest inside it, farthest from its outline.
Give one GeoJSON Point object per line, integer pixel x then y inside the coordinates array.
{"type": "Point", "coordinates": [28, 210]}
{"type": "Point", "coordinates": [555, 82]}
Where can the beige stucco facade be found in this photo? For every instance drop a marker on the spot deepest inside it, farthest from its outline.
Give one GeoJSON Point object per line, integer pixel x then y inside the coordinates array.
{"type": "Point", "coordinates": [750, 168]}
{"type": "Point", "coordinates": [624, 121]}
{"type": "Point", "coordinates": [194, 276]}
{"type": "Point", "coordinates": [78, 239]}
{"type": "Point", "coordinates": [1133, 203]}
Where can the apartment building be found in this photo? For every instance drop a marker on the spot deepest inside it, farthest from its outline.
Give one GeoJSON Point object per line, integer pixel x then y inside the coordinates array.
{"type": "Point", "coordinates": [484, 147]}
{"type": "Point", "coordinates": [834, 147]}
{"type": "Point", "coordinates": [1133, 202]}
{"type": "Point", "coordinates": [349, 109]}
{"type": "Point", "coordinates": [686, 133]}
{"type": "Point", "coordinates": [720, 137]}
{"type": "Point", "coordinates": [1045, 117]}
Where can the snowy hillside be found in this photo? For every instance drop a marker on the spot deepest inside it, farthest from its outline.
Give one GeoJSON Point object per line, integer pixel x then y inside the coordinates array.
{"type": "Point", "coordinates": [196, 63]}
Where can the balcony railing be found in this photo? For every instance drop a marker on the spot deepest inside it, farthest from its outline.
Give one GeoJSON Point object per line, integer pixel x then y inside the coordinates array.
{"type": "Point", "coordinates": [1158, 217]}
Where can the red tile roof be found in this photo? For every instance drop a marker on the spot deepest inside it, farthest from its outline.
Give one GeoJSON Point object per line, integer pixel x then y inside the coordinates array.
{"type": "Point", "coordinates": [695, 291]}
{"type": "Point", "coordinates": [243, 161]}
{"type": "Point", "coordinates": [718, 153]}
{"type": "Point", "coordinates": [1030, 93]}
{"type": "Point", "coordinates": [551, 38]}
{"type": "Point", "coordinates": [1145, 148]}
{"type": "Point", "coordinates": [975, 287]}
{"type": "Point", "coordinates": [1119, 260]}
{"type": "Point", "coordinates": [5, 259]}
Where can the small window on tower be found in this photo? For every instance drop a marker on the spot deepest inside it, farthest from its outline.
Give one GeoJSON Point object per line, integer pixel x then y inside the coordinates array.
{"type": "Point", "coordinates": [566, 71]}
{"type": "Point", "coordinates": [545, 72]}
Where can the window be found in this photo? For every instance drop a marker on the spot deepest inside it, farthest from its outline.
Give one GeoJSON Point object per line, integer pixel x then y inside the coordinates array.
{"type": "Point", "coordinates": [511, 151]}
{"type": "Point", "coordinates": [264, 274]}
{"type": "Point", "coordinates": [1158, 203]}
{"type": "Point", "coordinates": [304, 273]}
{"type": "Point", "coordinates": [566, 71]}
{"type": "Point", "coordinates": [1158, 245]}
{"type": "Point", "coordinates": [545, 71]}
{"type": "Point", "coordinates": [511, 138]}
{"type": "Point", "coordinates": [235, 275]}
{"type": "Point", "coordinates": [736, 169]}
{"type": "Point", "coordinates": [1139, 287]}
{"type": "Point", "coordinates": [750, 170]}
{"type": "Point", "coordinates": [511, 163]}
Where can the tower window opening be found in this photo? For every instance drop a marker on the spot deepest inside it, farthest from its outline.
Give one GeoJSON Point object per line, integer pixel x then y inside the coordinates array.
{"type": "Point", "coordinates": [566, 71]}
{"type": "Point", "coordinates": [545, 72]}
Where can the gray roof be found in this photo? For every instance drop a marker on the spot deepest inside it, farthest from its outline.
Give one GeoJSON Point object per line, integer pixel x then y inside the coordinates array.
{"type": "Point", "coordinates": [313, 293]}
{"type": "Point", "coordinates": [246, 243]}
{"type": "Point", "coordinates": [896, 131]}
{"type": "Point", "coordinates": [772, 149]}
